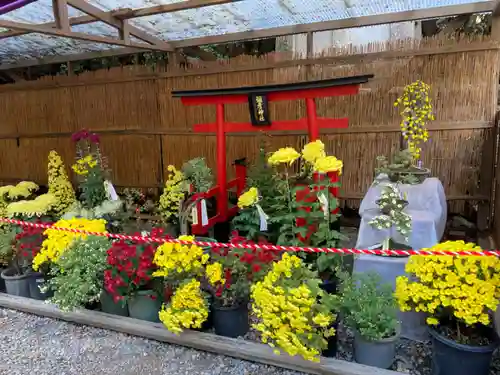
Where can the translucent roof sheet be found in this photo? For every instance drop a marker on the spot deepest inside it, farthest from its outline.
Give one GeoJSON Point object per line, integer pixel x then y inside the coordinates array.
{"type": "Point", "coordinates": [214, 20]}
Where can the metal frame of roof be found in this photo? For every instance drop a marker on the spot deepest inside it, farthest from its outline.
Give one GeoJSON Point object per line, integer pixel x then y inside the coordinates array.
{"type": "Point", "coordinates": [135, 39]}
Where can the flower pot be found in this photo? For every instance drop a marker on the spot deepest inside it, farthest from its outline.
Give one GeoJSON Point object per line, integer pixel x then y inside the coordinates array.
{"type": "Point", "coordinates": [142, 306]}
{"type": "Point", "coordinates": [421, 174]}
{"type": "Point", "coordinates": [209, 323]}
{"type": "Point", "coordinates": [452, 358]}
{"type": "Point", "coordinates": [36, 280]}
{"type": "Point", "coordinates": [230, 321]}
{"type": "Point", "coordinates": [108, 305]}
{"type": "Point", "coordinates": [2, 281]}
{"type": "Point", "coordinates": [329, 286]}
{"type": "Point", "coordinates": [16, 285]}
{"type": "Point", "coordinates": [331, 350]}
{"type": "Point", "coordinates": [378, 353]}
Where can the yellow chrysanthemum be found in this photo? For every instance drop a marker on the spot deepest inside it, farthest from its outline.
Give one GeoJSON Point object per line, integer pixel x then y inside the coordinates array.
{"type": "Point", "coordinates": [328, 164]}
{"type": "Point", "coordinates": [174, 259]}
{"type": "Point", "coordinates": [59, 185]}
{"type": "Point", "coordinates": [467, 286]}
{"type": "Point", "coordinates": [285, 155]}
{"type": "Point", "coordinates": [290, 315]}
{"type": "Point", "coordinates": [313, 151]}
{"type": "Point", "coordinates": [173, 194]}
{"type": "Point", "coordinates": [187, 309]}
{"type": "Point", "coordinates": [39, 206]}
{"type": "Point", "coordinates": [417, 110]}
{"type": "Point", "coordinates": [248, 198]}
{"type": "Point", "coordinates": [58, 241]}
{"type": "Point", "coordinates": [214, 273]}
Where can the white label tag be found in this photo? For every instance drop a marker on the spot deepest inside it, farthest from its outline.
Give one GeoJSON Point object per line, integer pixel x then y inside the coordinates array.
{"type": "Point", "coordinates": [110, 190]}
{"type": "Point", "coordinates": [194, 215]}
{"type": "Point", "coordinates": [40, 281]}
{"type": "Point", "coordinates": [204, 215]}
{"type": "Point", "coordinates": [263, 218]}
{"type": "Point", "coordinates": [323, 200]}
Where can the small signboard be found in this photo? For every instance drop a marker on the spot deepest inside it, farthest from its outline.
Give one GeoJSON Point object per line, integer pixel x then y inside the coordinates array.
{"type": "Point", "coordinates": [259, 109]}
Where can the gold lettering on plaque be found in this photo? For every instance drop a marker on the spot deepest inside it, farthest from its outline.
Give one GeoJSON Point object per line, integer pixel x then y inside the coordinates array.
{"type": "Point", "coordinates": [260, 107]}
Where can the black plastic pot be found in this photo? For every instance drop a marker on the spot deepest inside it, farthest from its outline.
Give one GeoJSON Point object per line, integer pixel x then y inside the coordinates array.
{"type": "Point", "coordinates": [452, 358]}
{"type": "Point", "coordinates": [16, 285]}
{"type": "Point", "coordinates": [329, 286]}
{"type": "Point", "coordinates": [230, 321]}
{"type": "Point", "coordinates": [331, 350]}
{"type": "Point", "coordinates": [36, 280]}
{"type": "Point", "coordinates": [2, 281]}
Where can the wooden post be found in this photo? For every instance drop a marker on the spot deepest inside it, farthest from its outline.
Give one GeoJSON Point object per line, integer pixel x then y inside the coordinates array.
{"type": "Point", "coordinates": [489, 160]}
{"type": "Point", "coordinates": [310, 54]}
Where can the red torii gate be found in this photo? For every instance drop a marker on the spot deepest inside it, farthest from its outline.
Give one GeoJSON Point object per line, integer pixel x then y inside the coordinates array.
{"type": "Point", "coordinates": [258, 97]}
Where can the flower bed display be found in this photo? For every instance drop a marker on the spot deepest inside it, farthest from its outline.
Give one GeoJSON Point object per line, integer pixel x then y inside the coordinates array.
{"type": "Point", "coordinates": [294, 303]}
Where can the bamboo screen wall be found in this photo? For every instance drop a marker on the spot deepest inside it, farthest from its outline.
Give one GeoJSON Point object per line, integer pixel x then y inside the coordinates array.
{"type": "Point", "coordinates": [143, 129]}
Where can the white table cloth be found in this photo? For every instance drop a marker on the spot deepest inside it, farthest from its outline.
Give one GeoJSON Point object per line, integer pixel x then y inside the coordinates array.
{"type": "Point", "coordinates": [426, 206]}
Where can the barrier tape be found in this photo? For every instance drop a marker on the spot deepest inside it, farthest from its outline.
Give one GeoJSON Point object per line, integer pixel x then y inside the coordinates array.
{"type": "Point", "coordinates": [255, 246]}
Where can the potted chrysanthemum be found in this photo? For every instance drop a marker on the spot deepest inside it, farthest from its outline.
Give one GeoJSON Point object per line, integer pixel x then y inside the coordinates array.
{"type": "Point", "coordinates": [295, 315]}
{"type": "Point", "coordinates": [309, 214]}
{"type": "Point", "coordinates": [458, 293]}
{"type": "Point", "coordinates": [230, 274]}
{"type": "Point", "coordinates": [129, 279]}
{"type": "Point", "coordinates": [181, 268]}
{"type": "Point", "coordinates": [369, 308]}
{"type": "Point", "coordinates": [58, 239]}
{"type": "Point", "coordinates": [391, 204]}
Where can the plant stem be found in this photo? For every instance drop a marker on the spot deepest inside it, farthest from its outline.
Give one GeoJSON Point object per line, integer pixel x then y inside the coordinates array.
{"type": "Point", "coordinates": [288, 191]}
{"type": "Point", "coordinates": [459, 335]}
{"type": "Point", "coordinates": [385, 244]}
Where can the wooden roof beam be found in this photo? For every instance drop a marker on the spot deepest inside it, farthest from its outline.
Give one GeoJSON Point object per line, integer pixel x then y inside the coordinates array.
{"type": "Point", "coordinates": [60, 10]}
{"type": "Point", "coordinates": [80, 36]}
{"type": "Point", "coordinates": [169, 8]}
{"type": "Point", "coordinates": [379, 19]}
{"type": "Point", "coordinates": [130, 13]}
{"type": "Point", "coordinates": [49, 60]}
{"type": "Point", "coordinates": [119, 24]}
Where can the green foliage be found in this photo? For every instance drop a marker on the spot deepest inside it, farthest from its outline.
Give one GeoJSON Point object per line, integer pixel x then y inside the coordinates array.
{"type": "Point", "coordinates": [262, 177]}
{"type": "Point", "coordinates": [392, 205]}
{"type": "Point", "coordinates": [77, 279]}
{"type": "Point", "coordinates": [111, 211]}
{"type": "Point", "coordinates": [247, 223]}
{"type": "Point", "coordinates": [285, 212]}
{"type": "Point", "coordinates": [400, 168]}
{"type": "Point", "coordinates": [368, 306]}
{"type": "Point", "coordinates": [199, 175]}
{"type": "Point", "coordinates": [327, 264]}
{"type": "Point", "coordinates": [7, 237]}
{"type": "Point", "coordinates": [92, 187]}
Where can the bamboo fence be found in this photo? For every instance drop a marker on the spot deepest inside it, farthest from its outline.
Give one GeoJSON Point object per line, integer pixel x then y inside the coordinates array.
{"type": "Point", "coordinates": [144, 129]}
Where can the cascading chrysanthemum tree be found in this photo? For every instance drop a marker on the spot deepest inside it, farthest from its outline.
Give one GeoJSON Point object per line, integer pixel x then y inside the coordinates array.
{"type": "Point", "coordinates": [59, 184]}
{"type": "Point", "coordinates": [392, 215]}
{"type": "Point", "coordinates": [416, 112]}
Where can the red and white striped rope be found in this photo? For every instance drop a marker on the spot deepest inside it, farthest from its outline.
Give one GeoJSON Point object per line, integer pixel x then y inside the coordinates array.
{"type": "Point", "coordinates": [255, 246]}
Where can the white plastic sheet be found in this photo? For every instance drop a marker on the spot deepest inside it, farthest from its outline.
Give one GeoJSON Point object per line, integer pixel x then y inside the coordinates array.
{"type": "Point", "coordinates": [426, 206]}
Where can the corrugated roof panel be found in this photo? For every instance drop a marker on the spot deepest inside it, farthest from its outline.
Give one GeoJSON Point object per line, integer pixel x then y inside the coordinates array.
{"type": "Point", "coordinates": [215, 20]}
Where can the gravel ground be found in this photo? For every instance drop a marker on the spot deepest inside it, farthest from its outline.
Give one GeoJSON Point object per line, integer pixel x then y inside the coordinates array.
{"type": "Point", "coordinates": [42, 346]}
{"type": "Point", "coordinates": [30, 343]}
